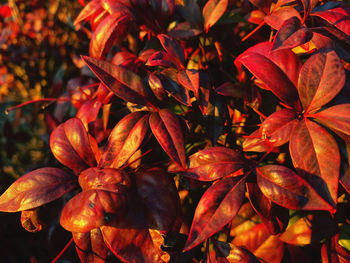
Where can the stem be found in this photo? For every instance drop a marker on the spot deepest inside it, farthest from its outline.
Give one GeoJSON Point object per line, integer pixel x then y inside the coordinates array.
{"type": "Point", "coordinates": [253, 31]}
{"type": "Point", "coordinates": [259, 113]}
{"type": "Point", "coordinates": [34, 101]}
{"type": "Point", "coordinates": [63, 250]}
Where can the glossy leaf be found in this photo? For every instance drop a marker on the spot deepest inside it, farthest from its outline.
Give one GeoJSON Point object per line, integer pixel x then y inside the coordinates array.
{"type": "Point", "coordinates": [274, 217]}
{"type": "Point", "coordinates": [332, 252]}
{"type": "Point", "coordinates": [321, 78]}
{"type": "Point", "coordinates": [91, 8]}
{"type": "Point", "coordinates": [213, 163]}
{"type": "Point", "coordinates": [123, 82]}
{"type": "Point", "coordinates": [189, 79]}
{"type": "Point", "coordinates": [132, 245]}
{"type": "Point", "coordinates": [124, 140]}
{"type": "Point", "coordinates": [291, 34]}
{"type": "Point", "coordinates": [159, 197]}
{"type": "Point", "coordinates": [90, 246]}
{"type": "Point", "coordinates": [212, 12]}
{"type": "Point", "coordinates": [338, 17]}
{"type": "Point", "coordinates": [166, 127]}
{"type": "Point", "coordinates": [113, 29]}
{"type": "Point", "coordinates": [70, 144]}
{"type": "Point", "coordinates": [37, 188]}
{"type": "Point", "coordinates": [336, 118]}
{"type": "Point", "coordinates": [88, 111]}
{"type": "Point", "coordinates": [161, 58]}
{"type": "Point", "coordinates": [278, 127]}
{"type": "Point", "coordinates": [173, 48]}
{"type": "Point", "coordinates": [311, 147]}
{"type": "Point", "coordinates": [91, 209]}
{"type": "Point", "coordinates": [255, 142]}
{"type": "Point", "coordinates": [259, 242]}
{"type": "Point", "coordinates": [229, 253]}
{"type": "Point", "coordinates": [217, 207]}
{"type": "Point", "coordinates": [278, 17]}
{"type": "Point", "coordinates": [286, 188]}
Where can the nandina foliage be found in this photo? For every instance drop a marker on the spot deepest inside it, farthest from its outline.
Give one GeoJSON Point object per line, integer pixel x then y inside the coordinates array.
{"type": "Point", "coordinates": [197, 139]}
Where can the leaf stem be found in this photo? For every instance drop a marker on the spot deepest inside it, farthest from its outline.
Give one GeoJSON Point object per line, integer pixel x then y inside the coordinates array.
{"type": "Point", "coordinates": [253, 31]}
{"type": "Point", "coordinates": [34, 101]}
{"type": "Point", "coordinates": [63, 250]}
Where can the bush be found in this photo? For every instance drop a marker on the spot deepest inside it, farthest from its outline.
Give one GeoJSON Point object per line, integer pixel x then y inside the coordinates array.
{"type": "Point", "coordinates": [212, 131]}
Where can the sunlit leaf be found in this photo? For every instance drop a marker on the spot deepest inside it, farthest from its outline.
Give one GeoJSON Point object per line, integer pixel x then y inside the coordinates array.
{"type": "Point", "coordinates": [212, 12]}
{"type": "Point", "coordinates": [37, 188]}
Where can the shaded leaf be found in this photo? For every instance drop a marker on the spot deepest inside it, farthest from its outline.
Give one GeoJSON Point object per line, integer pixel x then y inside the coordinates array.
{"type": "Point", "coordinates": [124, 140]}
{"type": "Point", "coordinates": [160, 199]}
{"type": "Point", "coordinates": [173, 48]}
{"type": "Point", "coordinates": [30, 220]}
{"type": "Point", "coordinates": [291, 34]}
{"type": "Point", "coordinates": [161, 58]}
{"type": "Point", "coordinates": [229, 253]}
{"type": "Point", "coordinates": [311, 147]}
{"type": "Point", "coordinates": [37, 188]}
{"type": "Point", "coordinates": [212, 11]}
{"type": "Point", "coordinates": [189, 79]}
{"type": "Point", "coordinates": [321, 78]}
{"type": "Point", "coordinates": [217, 207]}
{"type": "Point", "coordinates": [278, 17]}
{"type": "Point", "coordinates": [166, 127]}
{"type": "Point", "coordinates": [245, 219]}
{"type": "Point", "coordinates": [332, 252]}
{"type": "Point", "coordinates": [123, 82]}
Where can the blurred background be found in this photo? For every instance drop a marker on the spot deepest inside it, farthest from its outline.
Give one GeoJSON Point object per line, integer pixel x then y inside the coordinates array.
{"type": "Point", "coordinates": [39, 53]}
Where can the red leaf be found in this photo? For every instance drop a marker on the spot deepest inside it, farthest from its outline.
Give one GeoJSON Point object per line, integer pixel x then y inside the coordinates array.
{"type": "Point", "coordinates": [5, 11]}
{"type": "Point", "coordinates": [217, 207]}
{"type": "Point", "coordinates": [229, 253]}
{"type": "Point", "coordinates": [161, 58]}
{"type": "Point", "coordinates": [332, 252]}
{"type": "Point", "coordinates": [30, 220]}
{"type": "Point", "coordinates": [277, 18]}
{"type": "Point", "coordinates": [112, 30]}
{"type": "Point", "coordinates": [315, 155]}
{"type": "Point", "coordinates": [259, 242]}
{"type": "Point", "coordinates": [88, 111]}
{"type": "Point", "coordinates": [156, 86]}
{"type": "Point", "coordinates": [123, 82]}
{"type": "Point", "coordinates": [189, 79]}
{"type": "Point", "coordinates": [336, 118]}
{"type": "Point", "coordinates": [288, 189]}
{"type": "Point", "coordinates": [133, 245]}
{"type": "Point", "coordinates": [173, 48]}
{"type": "Point", "coordinates": [108, 179]}
{"type": "Point", "coordinates": [263, 5]}
{"type": "Point", "coordinates": [90, 246]}
{"type": "Point", "coordinates": [71, 146]}
{"type": "Point", "coordinates": [124, 140]}
{"type": "Point", "coordinates": [212, 12]}
{"type": "Point", "coordinates": [166, 127]}
{"type": "Point", "coordinates": [278, 70]}
{"type": "Point", "coordinates": [88, 11]}
{"type": "Point", "coordinates": [291, 34]}
{"type": "Point", "coordinates": [256, 143]}
{"type": "Point", "coordinates": [321, 78]}
{"type": "Point", "coordinates": [213, 163]}
{"type": "Point", "coordinates": [345, 180]}
{"type": "Point", "coordinates": [90, 209]}
{"type": "Point", "coordinates": [278, 127]}
{"type": "Point", "coordinates": [338, 17]}
{"type": "Point", "coordinates": [274, 217]}
{"type": "Point", "coordinates": [159, 198]}
{"type": "Point", "coordinates": [37, 188]}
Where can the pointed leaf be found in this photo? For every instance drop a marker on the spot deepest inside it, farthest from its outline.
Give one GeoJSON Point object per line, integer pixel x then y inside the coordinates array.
{"type": "Point", "coordinates": [259, 242]}
{"type": "Point", "coordinates": [91, 209]}
{"type": "Point", "coordinates": [112, 29]}
{"type": "Point", "coordinates": [278, 127]}
{"type": "Point", "coordinates": [255, 142]}
{"type": "Point", "coordinates": [37, 188]}
{"type": "Point", "coordinates": [173, 48]}
{"type": "Point", "coordinates": [278, 17]}
{"type": "Point", "coordinates": [160, 199]}
{"type": "Point", "coordinates": [125, 139]}
{"type": "Point", "coordinates": [212, 12]}
{"type": "Point", "coordinates": [217, 207]}
{"type": "Point", "coordinates": [321, 78]}
{"type": "Point", "coordinates": [338, 17]}
{"type": "Point", "coordinates": [162, 59]}
{"type": "Point", "coordinates": [336, 118]}
{"type": "Point", "coordinates": [88, 111]}
{"type": "Point", "coordinates": [315, 155]}
{"type": "Point", "coordinates": [189, 79]}
{"type": "Point", "coordinates": [70, 144]}
{"type": "Point", "coordinates": [291, 34]}
{"type": "Point", "coordinates": [229, 253]}
{"type": "Point", "coordinates": [123, 82]}
{"type": "Point", "coordinates": [89, 10]}
{"type": "Point", "coordinates": [213, 163]}
{"type": "Point", "coordinates": [288, 189]}
{"type": "Point", "coordinates": [166, 127]}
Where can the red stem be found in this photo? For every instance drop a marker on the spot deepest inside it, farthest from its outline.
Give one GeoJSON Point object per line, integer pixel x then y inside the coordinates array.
{"type": "Point", "coordinates": [34, 101]}
{"type": "Point", "coordinates": [63, 250]}
{"type": "Point", "coordinates": [253, 31]}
